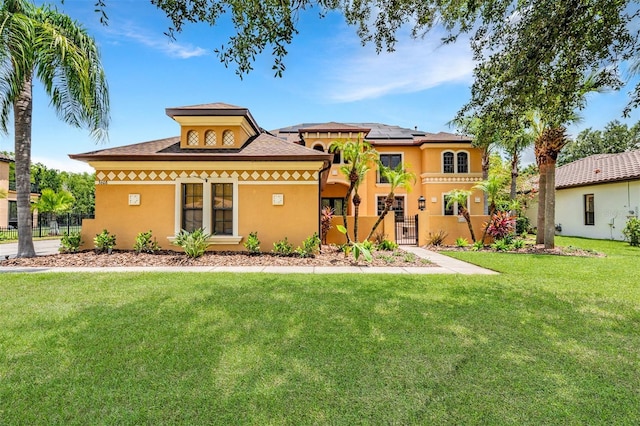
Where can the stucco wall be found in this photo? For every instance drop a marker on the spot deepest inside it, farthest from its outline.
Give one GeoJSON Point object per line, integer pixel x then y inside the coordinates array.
{"type": "Point", "coordinates": [612, 203]}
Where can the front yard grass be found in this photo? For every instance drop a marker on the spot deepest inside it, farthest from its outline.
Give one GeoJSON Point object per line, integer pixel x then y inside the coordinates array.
{"type": "Point", "coordinates": [552, 340]}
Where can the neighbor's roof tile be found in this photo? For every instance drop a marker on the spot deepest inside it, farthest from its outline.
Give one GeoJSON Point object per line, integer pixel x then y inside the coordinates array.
{"type": "Point", "coordinates": [599, 168]}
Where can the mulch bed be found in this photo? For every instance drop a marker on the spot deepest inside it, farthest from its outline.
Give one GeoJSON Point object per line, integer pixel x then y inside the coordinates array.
{"type": "Point", "coordinates": [329, 256]}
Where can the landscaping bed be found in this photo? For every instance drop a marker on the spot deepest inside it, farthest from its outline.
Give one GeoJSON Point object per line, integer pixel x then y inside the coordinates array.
{"type": "Point", "coordinates": [329, 256]}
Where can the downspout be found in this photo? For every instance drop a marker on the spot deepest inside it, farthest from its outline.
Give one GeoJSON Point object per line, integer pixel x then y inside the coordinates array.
{"type": "Point", "coordinates": [324, 169]}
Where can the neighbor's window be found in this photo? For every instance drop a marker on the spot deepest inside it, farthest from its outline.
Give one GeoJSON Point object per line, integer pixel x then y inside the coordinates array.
{"type": "Point", "coordinates": [337, 157]}
{"type": "Point", "coordinates": [191, 206]}
{"type": "Point", "coordinates": [391, 161]}
{"type": "Point", "coordinates": [589, 210]}
{"type": "Point", "coordinates": [222, 205]}
{"type": "Point", "coordinates": [462, 160]}
{"type": "Point", "coordinates": [337, 204]}
{"type": "Point", "coordinates": [318, 148]}
{"type": "Point", "coordinates": [13, 213]}
{"type": "Point", "coordinates": [447, 163]}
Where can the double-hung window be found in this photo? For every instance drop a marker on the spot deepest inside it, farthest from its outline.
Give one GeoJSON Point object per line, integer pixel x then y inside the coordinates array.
{"type": "Point", "coordinates": [208, 205]}
{"type": "Point", "coordinates": [391, 161]}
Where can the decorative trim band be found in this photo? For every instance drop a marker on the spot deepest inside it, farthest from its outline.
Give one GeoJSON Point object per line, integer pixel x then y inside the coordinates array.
{"type": "Point", "coordinates": [114, 176]}
{"type": "Point", "coordinates": [461, 179]}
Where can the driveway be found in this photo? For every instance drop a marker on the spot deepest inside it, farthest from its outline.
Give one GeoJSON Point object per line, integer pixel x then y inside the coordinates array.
{"type": "Point", "coordinates": [42, 247]}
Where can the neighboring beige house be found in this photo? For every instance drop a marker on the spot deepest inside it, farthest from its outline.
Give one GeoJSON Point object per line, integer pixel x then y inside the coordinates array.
{"type": "Point", "coordinates": [595, 196]}
{"type": "Point", "coordinates": [8, 211]}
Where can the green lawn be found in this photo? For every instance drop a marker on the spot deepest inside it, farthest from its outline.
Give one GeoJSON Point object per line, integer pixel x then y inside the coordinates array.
{"type": "Point", "coordinates": [552, 340]}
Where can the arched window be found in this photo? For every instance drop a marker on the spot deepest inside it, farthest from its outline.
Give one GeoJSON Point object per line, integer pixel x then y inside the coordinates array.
{"type": "Point", "coordinates": [447, 162]}
{"type": "Point", "coordinates": [210, 138]}
{"type": "Point", "coordinates": [227, 138]}
{"type": "Point", "coordinates": [192, 138]}
{"type": "Point", "coordinates": [318, 147]}
{"type": "Point", "coordinates": [462, 160]}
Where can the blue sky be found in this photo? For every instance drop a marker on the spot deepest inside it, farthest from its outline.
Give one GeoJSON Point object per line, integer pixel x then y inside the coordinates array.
{"type": "Point", "coordinates": [329, 77]}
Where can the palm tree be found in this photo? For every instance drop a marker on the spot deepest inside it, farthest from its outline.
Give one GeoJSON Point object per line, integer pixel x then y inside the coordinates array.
{"type": "Point", "coordinates": [358, 157]}
{"type": "Point", "coordinates": [485, 137]}
{"type": "Point", "coordinates": [41, 42]}
{"type": "Point", "coordinates": [54, 203]}
{"type": "Point", "coordinates": [3, 193]}
{"type": "Point", "coordinates": [460, 197]}
{"type": "Point", "coordinates": [397, 178]}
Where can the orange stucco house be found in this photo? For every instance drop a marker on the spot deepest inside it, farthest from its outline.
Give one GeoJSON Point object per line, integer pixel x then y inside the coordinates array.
{"type": "Point", "coordinates": [226, 174]}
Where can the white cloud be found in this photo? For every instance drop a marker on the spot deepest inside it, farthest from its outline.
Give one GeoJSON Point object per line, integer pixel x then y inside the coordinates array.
{"type": "Point", "coordinates": [161, 43]}
{"type": "Point", "coordinates": [416, 65]}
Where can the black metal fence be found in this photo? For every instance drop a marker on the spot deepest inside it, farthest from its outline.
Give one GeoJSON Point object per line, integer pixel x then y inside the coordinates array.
{"type": "Point", "coordinates": [48, 225]}
{"type": "Point", "coordinates": [407, 230]}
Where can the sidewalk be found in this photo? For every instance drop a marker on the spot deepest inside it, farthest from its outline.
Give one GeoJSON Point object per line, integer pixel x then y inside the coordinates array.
{"type": "Point", "coordinates": [446, 265]}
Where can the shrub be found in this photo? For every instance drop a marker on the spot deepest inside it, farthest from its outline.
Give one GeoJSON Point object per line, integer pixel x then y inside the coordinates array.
{"type": "Point", "coordinates": [501, 245]}
{"type": "Point", "coordinates": [522, 225]}
{"type": "Point", "coordinates": [70, 243]}
{"type": "Point", "coordinates": [104, 241]}
{"type": "Point", "coordinates": [283, 247]}
{"type": "Point", "coordinates": [145, 243]}
{"type": "Point", "coordinates": [631, 231]}
{"type": "Point", "coordinates": [517, 244]}
{"type": "Point", "coordinates": [436, 239]}
{"type": "Point", "coordinates": [367, 245]}
{"type": "Point", "coordinates": [461, 242]}
{"type": "Point", "coordinates": [501, 225]}
{"type": "Point", "coordinates": [326, 215]}
{"type": "Point", "coordinates": [253, 243]}
{"type": "Point", "coordinates": [193, 243]}
{"type": "Point", "coordinates": [309, 246]}
{"type": "Point", "coordinates": [379, 237]}
{"type": "Point", "coordinates": [478, 245]}
{"type": "Point", "coordinates": [387, 245]}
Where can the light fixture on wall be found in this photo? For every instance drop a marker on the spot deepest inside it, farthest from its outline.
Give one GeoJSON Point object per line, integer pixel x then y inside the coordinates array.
{"type": "Point", "coordinates": [422, 203]}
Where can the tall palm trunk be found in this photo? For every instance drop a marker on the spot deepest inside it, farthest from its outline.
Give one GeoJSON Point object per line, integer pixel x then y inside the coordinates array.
{"type": "Point", "coordinates": [345, 204]}
{"type": "Point", "coordinates": [23, 108]}
{"type": "Point", "coordinates": [542, 190]}
{"type": "Point", "coordinates": [515, 159]}
{"type": "Point", "coordinates": [486, 158]}
{"type": "Point", "coordinates": [547, 149]}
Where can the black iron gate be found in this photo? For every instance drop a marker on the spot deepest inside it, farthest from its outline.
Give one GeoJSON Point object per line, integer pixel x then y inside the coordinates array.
{"type": "Point", "coordinates": [407, 230]}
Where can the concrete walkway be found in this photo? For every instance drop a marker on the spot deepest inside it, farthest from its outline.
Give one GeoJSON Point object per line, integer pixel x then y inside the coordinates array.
{"type": "Point", "coordinates": [445, 265]}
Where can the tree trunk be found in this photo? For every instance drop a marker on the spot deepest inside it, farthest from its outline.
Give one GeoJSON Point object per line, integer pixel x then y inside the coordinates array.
{"type": "Point", "coordinates": [467, 217]}
{"type": "Point", "coordinates": [356, 210]}
{"type": "Point", "coordinates": [486, 157]}
{"type": "Point", "coordinates": [22, 110]}
{"type": "Point", "coordinates": [345, 205]}
{"type": "Point", "coordinates": [515, 159]}
{"type": "Point", "coordinates": [388, 203]}
{"type": "Point", "coordinates": [550, 205]}
{"type": "Point", "coordinates": [542, 192]}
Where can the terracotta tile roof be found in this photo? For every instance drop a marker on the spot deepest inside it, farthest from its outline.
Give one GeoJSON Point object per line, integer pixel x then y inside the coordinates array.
{"type": "Point", "coordinates": [599, 168]}
{"type": "Point", "coordinates": [5, 158]}
{"type": "Point", "coordinates": [262, 147]}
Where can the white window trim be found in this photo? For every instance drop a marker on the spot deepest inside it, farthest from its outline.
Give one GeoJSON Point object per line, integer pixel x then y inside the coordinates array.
{"type": "Point", "coordinates": [207, 219]}
{"type": "Point", "coordinates": [455, 205]}
{"type": "Point", "coordinates": [455, 161]}
{"type": "Point", "coordinates": [378, 175]}
{"type": "Point", "coordinates": [378, 196]}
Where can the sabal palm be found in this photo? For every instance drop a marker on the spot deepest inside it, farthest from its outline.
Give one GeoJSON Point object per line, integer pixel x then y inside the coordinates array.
{"type": "Point", "coordinates": [396, 178]}
{"type": "Point", "coordinates": [359, 156]}
{"type": "Point", "coordinates": [43, 43]}
{"type": "Point", "coordinates": [460, 197]}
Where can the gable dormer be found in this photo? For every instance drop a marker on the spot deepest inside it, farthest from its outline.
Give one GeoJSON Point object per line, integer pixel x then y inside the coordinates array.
{"type": "Point", "coordinates": [214, 126]}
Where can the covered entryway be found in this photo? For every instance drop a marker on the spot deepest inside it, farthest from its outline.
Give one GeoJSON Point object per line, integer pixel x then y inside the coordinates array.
{"type": "Point", "coordinates": [407, 230]}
